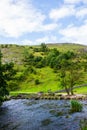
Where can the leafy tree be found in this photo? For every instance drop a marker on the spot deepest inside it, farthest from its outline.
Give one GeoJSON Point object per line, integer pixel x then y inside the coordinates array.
{"type": "Point", "coordinates": [6, 74]}
{"type": "Point", "coordinates": [68, 55]}
{"type": "Point", "coordinates": [70, 75]}
{"type": "Point", "coordinates": [44, 47]}
{"type": "Point", "coordinates": [52, 56]}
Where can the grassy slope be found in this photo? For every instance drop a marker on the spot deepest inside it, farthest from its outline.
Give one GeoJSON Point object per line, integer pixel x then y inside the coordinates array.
{"type": "Point", "coordinates": [48, 79]}
{"type": "Point", "coordinates": [66, 47]}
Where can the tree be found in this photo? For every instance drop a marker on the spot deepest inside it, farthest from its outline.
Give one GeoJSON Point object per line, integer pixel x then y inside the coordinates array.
{"type": "Point", "coordinates": [6, 73]}
{"type": "Point", "coordinates": [28, 59]}
{"type": "Point", "coordinates": [44, 47]}
{"type": "Point", "coordinates": [70, 75]}
{"type": "Point", "coordinates": [52, 57]}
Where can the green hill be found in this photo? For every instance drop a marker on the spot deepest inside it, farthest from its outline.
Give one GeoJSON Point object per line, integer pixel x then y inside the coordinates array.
{"type": "Point", "coordinates": [41, 78]}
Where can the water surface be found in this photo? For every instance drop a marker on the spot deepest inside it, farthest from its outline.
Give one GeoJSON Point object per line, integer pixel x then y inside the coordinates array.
{"type": "Point", "coordinates": [23, 114]}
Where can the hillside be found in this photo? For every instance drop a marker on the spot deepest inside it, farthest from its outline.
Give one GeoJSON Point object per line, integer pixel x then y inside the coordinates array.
{"type": "Point", "coordinates": [41, 78]}
{"type": "Point", "coordinates": [15, 52]}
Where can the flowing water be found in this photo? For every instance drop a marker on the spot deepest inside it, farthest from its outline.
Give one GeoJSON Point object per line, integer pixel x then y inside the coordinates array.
{"type": "Point", "coordinates": [23, 114]}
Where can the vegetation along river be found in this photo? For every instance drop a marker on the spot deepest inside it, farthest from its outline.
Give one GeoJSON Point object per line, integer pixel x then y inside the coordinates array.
{"type": "Point", "coordinates": [23, 114]}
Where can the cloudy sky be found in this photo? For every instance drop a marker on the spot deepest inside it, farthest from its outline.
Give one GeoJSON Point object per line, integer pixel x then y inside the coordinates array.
{"type": "Point", "coordinates": [36, 21]}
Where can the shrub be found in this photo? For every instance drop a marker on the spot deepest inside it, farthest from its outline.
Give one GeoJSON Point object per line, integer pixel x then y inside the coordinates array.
{"type": "Point", "coordinates": [76, 106]}
{"type": "Point", "coordinates": [6, 45]}
{"type": "Point", "coordinates": [36, 49]}
{"type": "Point", "coordinates": [37, 81]}
{"type": "Point", "coordinates": [29, 69]}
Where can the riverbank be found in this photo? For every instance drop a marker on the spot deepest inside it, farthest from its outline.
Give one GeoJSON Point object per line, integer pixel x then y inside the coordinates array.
{"type": "Point", "coordinates": [48, 96]}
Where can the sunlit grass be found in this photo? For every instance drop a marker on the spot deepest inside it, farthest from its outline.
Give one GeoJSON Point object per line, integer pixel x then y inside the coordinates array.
{"type": "Point", "coordinates": [82, 90]}
{"type": "Point", "coordinates": [47, 78]}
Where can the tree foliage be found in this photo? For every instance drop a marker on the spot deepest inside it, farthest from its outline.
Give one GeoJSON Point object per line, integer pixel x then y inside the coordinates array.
{"type": "Point", "coordinates": [6, 74]}
{"type": "Point", "coordinates": [70, 75]}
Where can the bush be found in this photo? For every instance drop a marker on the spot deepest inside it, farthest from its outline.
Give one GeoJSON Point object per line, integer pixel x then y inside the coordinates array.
{"type": "Point", "coordinates": [36, 49]}
{"type": "Point", "coordinates": [76, 106]}
{"type": "Point", "coordinates": [37, 81]}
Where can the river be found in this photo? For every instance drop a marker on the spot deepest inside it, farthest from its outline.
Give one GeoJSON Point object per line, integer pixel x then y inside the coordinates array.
{"type": "Point", "coordinates": [24, 114]}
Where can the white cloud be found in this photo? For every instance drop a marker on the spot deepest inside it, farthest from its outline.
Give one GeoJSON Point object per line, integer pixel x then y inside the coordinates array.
{"type": "Point", "coordinates": [45, 39]}
{"type": "Point", "coordinates": [75, 34]}
{"type": "Point", "coordinates": [81, 12]}
{"type": "Point", "coordinates": [19, 17]}
{"type": "Point", "coordinates": [49, 27]}
{"type": "Point", "coordinates": [27, 42]}
{"type": "Point", "coordinates": [74, 1]}
{"type": "Point", "coordinates": [62, 12]}
{"type": "Point", "coordinates": [65, 11]}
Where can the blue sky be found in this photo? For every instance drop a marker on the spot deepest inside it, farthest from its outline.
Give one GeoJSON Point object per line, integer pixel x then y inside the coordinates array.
{"type": "Point", "coordinates": [30, 22]}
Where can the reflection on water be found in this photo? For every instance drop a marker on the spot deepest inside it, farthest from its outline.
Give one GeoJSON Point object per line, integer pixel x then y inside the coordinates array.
{"type": "Point", "coordinates": [26, 114]}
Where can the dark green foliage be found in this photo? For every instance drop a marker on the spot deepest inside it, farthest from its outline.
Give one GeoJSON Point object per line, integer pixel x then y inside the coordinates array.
{"type": "Point", "coordinates": [31, 47]}
{"type": "Point", "coordinates": [28, 57]}
{"type": "Point", "coordinates": [76, 106]}
{"type": "Point", "coordinates": [2, 46]}
{"type": "Point", "coordinates": [52, 58]}
{"type": "Point", "coordinates": [43, 47]}
{"type": "Point", "coordinates": [37, 59]}
{"type": "Point", "coordinates": [29, 69]}
{"type": "Point", "coordinates": [37, 81]}
{"type": "Point", "coordinates": [41, 63]}
{"type": "Point", "coordinates": [3, 83]}
{"type": "Point", "coordinates": [36, 49]}
{"type": "Point", "coordinates": [70, 74]}
{"type": "Point", "coordinates": [6, 46]}
{"type": "Point", "coordinates": [8, 70]}
{"type": "Point", "coordinates": [6, 74]}
{"type": "Point", "coordinates": [37, 62]}
{"type": "Point", "coordinates": [57, 60]}
{"type": "Point", "coordinates": [68, 55]}
{"type": "Point", "coordinates": [31, 60]}
{"type": "Point", "coordinates": [84, 64]}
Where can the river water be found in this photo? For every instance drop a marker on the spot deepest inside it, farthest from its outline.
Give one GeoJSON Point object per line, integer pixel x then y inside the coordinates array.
{"type": "Point", "coordinates": [23, 114]}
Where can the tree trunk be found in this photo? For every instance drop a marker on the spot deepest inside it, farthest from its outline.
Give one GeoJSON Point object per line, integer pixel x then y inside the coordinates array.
{"type": "Point", "coordinates": [67, 91]}
{"type": "Point", "coordinates": [71, 91]}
